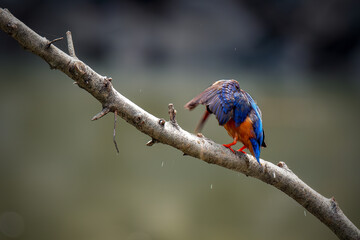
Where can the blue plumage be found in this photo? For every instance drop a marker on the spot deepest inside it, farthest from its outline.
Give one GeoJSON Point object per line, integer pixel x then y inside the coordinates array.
{"type": "Point", "coordinates": [242, 107]}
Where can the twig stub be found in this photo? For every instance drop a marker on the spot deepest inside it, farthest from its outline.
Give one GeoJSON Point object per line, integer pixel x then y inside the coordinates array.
{"type": "Point", "coordinates": [52, 41]}
{"type": "Point", "coordinates": [172, 113]}
{"type": "Point", "coordinates": [151, 142]}
{"type": "Point", "coordinates": [103, 112]}
{"type": "Point", "coordinates": [70, 42]}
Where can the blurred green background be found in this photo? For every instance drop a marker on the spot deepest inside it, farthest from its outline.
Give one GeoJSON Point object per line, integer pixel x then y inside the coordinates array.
{"type": "Point", "coordinates": [60, 176]}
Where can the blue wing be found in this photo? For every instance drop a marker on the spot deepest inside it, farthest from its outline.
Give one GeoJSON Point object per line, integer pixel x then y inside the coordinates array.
{"type": "Point", "coordinates": [226, 100]}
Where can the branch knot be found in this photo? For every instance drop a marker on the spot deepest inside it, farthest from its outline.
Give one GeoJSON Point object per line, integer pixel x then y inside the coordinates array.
{"type": "Point", "coordinates": [162, 122]}
{"type": "Point", "coordinates": [284, 166]}
{"type": "Point", "coordinates": [10, 28]}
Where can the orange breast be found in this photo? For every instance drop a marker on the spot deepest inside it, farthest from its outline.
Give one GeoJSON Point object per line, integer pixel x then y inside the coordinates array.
{"type": "Point", "coordinates": [242, 133]}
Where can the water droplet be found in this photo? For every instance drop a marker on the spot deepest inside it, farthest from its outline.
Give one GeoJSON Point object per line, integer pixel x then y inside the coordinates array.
{"type": "Point", "coordinates": [305, 213]}
{"type": "Point", "coordinates": [162, 163]}
{"type": "Point", "coordinates": [211, 186]}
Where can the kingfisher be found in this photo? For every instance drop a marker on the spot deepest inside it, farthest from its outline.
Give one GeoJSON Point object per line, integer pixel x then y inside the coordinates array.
{"type": "Point", "coordinates": [234, 109]}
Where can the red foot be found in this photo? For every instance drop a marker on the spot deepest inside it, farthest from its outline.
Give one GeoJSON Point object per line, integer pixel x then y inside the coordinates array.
{"type": "Point", "coordinates": [242, 149]}
{"type": "Point", "coordinates": [229, 147]}
{"type": "Point", "coordinates": [231, 144]}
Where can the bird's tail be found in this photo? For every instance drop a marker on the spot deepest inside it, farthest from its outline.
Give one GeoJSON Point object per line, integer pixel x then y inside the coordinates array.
{"type": "Point", "coordinates": [263, 144]}
{"type": "Point", "coordinates": [256, 149]}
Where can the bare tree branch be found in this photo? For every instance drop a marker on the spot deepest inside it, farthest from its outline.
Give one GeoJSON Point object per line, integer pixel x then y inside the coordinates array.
{"type": "Point", "coordinates": [169, 132]}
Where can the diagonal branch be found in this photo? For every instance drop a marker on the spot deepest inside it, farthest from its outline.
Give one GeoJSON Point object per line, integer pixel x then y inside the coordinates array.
{"type": "Point", "coordinates": [169, 132]}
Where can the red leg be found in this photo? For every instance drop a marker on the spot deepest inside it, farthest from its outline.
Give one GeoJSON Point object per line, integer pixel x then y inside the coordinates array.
{"type": "Point", "coordinates": [242, 149]}
{"type": "Point", "coordinates": [202, 121]}
{"type": "Point", "coordinates": [231, 144]}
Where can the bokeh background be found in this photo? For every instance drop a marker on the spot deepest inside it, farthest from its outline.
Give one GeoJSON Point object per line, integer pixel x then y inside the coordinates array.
{"type": "Point", "coordinates": [60, 176]}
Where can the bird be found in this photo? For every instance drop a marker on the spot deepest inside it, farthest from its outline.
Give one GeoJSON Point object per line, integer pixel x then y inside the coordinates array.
{"type": "Point", "coordinates": [234, 109]}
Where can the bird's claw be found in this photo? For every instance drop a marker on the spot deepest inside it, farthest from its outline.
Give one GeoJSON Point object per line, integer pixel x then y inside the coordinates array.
{"type": "Point", "coordinates": [242, 149]}
{"type": "Point", "coordinates": [229, 147]}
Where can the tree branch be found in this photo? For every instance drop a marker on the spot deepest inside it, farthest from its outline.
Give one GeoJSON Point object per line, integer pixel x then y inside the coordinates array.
{"type": "Point", "coordinates": [169, 132]}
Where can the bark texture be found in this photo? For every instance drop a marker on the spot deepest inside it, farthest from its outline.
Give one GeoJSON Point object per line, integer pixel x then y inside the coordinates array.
{"type": "Point", "coordinates": [169, 132]}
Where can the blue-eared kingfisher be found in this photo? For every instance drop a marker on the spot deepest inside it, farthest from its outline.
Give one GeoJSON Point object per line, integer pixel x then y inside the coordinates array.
{"type": "Point", "coordinates": [236, 110]}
